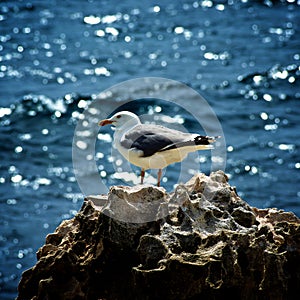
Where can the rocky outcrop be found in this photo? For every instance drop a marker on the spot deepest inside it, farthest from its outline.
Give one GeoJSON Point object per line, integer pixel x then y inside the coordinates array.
{"type": "Point", "coordinates": [200, 242]}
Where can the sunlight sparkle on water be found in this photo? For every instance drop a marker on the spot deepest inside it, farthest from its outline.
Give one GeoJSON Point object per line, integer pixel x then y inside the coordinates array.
{"type": "Point", "coordinates": [18, 149]}
{"type": "Point", "coordinates": [286, 147]}
{"type": "Point", "coordinates": [4, 111]}
{"type": "Point", "coordinates": [81, 145]}
{"type": "Point", "coordinates": [91, 20]}
{"type": "Point", "coordinates": [16, 178]}
{"type": "Point", "coordinates": [105, 137]}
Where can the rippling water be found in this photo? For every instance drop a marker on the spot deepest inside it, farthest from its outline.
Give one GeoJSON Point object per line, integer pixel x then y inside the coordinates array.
{"type": "Point", "coordinates": [55, 57]}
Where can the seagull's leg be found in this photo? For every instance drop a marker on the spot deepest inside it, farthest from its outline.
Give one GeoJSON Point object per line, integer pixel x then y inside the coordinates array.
{"type": "Point", "coordinates": [142, 175]}
{"type": "Point", "coordinates": [159, 173]}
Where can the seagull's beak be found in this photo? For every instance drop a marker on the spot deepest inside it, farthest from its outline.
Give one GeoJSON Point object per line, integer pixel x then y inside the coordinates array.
{"type": "Point", "coordinates": [105, 122]}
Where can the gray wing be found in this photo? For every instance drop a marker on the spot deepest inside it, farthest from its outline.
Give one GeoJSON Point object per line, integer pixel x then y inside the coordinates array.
{"type": "Point", "coordinates": [154, 138]}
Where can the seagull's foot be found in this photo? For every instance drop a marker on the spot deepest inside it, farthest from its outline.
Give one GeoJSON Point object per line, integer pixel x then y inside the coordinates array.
{"type": "Point", "coordinates": [159, 174]}
{"type": "Point", "coordinates": [142, 175]}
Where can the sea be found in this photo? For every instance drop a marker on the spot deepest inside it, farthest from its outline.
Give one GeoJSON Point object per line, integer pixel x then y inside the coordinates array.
{"type": "Point", "coordinates": [63, 63]}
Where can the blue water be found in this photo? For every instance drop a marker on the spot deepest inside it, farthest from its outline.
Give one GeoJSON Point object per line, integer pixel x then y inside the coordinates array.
{"type": "Point", "coordinates": [243, 57]}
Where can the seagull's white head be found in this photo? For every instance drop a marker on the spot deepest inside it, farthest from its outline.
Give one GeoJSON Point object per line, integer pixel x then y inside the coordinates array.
{"type": "Point", "coordinates": [121, 120]}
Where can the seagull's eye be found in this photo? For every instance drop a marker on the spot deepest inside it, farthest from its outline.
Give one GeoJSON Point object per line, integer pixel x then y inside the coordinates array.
{"type": "Point", "coordinates": [119, 116]}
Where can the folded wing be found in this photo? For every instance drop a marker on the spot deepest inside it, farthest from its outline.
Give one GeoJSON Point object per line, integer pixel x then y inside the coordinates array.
{"type": "Point", "coordinates": [150, 139]}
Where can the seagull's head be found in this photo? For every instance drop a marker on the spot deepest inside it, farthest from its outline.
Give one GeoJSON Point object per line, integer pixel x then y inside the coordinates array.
{"type": "Point", "coordinates": [122, 119]}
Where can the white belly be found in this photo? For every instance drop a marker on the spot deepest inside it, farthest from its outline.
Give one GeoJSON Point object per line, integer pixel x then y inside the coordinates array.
{"type": "Point", "coordinates": [159, 160]}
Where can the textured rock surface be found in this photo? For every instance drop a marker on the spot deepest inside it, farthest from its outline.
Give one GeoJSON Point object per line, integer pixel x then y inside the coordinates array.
{"type": "Point", "coordinates": [202, 241]}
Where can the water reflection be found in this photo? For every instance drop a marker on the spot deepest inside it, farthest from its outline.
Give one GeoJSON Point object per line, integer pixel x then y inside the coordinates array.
{"type": "Point", "coordinates": [54, 60]}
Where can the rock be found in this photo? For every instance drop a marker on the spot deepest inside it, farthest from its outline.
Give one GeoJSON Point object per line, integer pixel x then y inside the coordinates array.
{"type": "Point", "coordinates": [200, 242]}
{"type": "Point", "coordinates": [138, 204]}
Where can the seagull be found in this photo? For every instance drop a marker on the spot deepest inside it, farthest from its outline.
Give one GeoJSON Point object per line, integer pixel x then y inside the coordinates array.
{"type": "Point", "coordinates": [150, 146]}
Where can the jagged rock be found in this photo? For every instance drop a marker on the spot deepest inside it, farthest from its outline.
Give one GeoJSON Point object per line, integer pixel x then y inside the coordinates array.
{"type": "Point", "coordinates": [200, 242]}
{"type": "Point", "coordinates": [138, 204]}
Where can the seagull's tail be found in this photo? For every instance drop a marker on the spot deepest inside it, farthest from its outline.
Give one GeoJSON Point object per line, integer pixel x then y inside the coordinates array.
{"type": "Point", "coordinates": [205, 140]}
{"type": "Point", "coordinates": [198, 142]}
